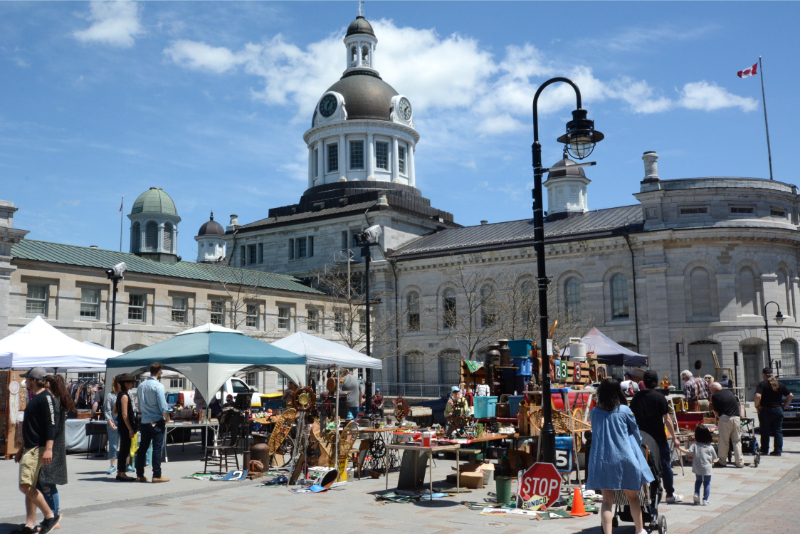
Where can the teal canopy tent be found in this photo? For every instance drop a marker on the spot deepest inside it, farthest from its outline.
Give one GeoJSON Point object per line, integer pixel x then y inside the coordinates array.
{"type": "Point", "coordinates": [208, 356]}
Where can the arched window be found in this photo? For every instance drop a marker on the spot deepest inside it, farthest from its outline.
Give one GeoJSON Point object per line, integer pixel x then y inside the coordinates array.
{"type": "Point", "coordinates": [168, 237]}
{"type": "Point", "coordinates": [365, 56]}
{"type": "Point", "coordinates": [488, 312]}
{"type": "Point", "coordinates": [413, 367]}
{"type": "Point", "coordinates": [449, 308]}
{"type": "Point", "coordinates": [136, 237]}
{"type": "Point", "coordinates": [450, 367]}
{"type": "Point", "coordinates": [619, 297]}
{"type": "Point", "coordinates": [353, 56]}
{"type": "Point", "coordinates": [784, 293]}
{"type": "Point", "coordinates": [748, 303]}
{"type": "Point", "coordinates": [413, 311]}
{"type": "Point", "coordinates": [701, 292]}
{"type": "Point", "coordinates": [151, 236]}
{"type": "Point", "coordinates": [789, 357]}
{"type": "Point", "coordinates": [572, 292]}
{"type": "Point", "coordinates": [527, 299]}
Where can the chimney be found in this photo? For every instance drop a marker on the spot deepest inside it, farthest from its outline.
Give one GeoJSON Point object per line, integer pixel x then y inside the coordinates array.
{"type": "Point", "coordinates": [650, 159]}
{"type": "Point", "coordinates": [484, 222]}
{"type": "Point", "coordinates": [234, 223]}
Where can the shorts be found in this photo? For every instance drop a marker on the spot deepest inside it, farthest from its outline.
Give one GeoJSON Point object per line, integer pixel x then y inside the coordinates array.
{"type": "Point", "coordinates": [29, 466]}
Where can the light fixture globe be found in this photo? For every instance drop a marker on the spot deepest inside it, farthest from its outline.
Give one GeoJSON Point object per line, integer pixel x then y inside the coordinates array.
{"type": "Point", "coordinates": [581, 137]}
{"type": "Point", "coordinates": [779, 318]}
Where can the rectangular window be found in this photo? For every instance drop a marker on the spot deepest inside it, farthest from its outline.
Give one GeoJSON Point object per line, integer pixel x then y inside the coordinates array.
{"type": "Point", "coordinates": [251, 379]}
{"type": "Point", "coordinates": [252, 253]}
{"type": "Point", "coordinates": [291, 249]}
{"type": "Point", "coordinates": [283, 318]}
{"type": "Point", "coordinates": [217, 312]}
{"type": "Point", "coordinates": [252, 315]}
{"type": "Point", "coordinates": [313, 321]}
{"type": "Point", "coordinates": [261, 253]}
{"type": "Point", "coordinates": [382, 155]}
{"type": "Point", "coordinates": [401, 156]}
{"type": "Point", "coordinates": [310, 246]}
{"type": "Point", "coordinates": [36, 303]}
{"type": "Point", "coordinates": [301, 247]}
{"type": "Point", "coordinates": [136, 306]}
{"type": "Point", "coordinates": [362, 322]}
{"type": "Point", "coordinates": [741, 211]}
{"type": "Point", "coordinates": [356, 155]}
{"type": "Point", "coordinates": [778, 213]}
{"type": "Point", "coordinates": [316, 162]}
{"type": "Point", "coordinates": [90, 303]}
{"type": "Point", "coordinates": [176, 383]}
{"type": "Point", "coordinates": [333, 157]}
{"type": "Point", "coordinates": [693, 211]}
{"type": "Point", "coordinates": [652, 213]}
{"type": "Point", "coordinates": [338, 321]}
{"type": "Point", "coordinates": [179, 309]}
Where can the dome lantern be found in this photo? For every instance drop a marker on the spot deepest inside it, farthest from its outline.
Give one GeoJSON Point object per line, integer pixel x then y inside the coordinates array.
{"type": "Point", "coordinates": [211, 247]}
{"type": "Point", "coordinates": [566, 190]}
{"type": "Point", "coordinates": [154, 226]}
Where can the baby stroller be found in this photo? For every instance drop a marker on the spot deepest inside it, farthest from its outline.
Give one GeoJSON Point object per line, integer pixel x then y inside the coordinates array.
{"type": "Point", "coordinates": [650, 495]}
{"type": "Point", "coordinates": [749, 441]}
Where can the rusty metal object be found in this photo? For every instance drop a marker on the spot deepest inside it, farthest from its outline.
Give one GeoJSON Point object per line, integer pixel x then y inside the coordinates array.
{"type": "Point", "coordinates": [505, 352]}
{"type": "Point", "coordinates": [260, 453]}
{"type": "Point", "coordinates": [304, 399]}
{"type": "Point", "coordinates": [281, 431]}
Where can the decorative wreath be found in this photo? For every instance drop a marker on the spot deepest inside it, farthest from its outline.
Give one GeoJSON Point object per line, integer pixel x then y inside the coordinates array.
{"type": "Point", "coordinates": [304, 399]}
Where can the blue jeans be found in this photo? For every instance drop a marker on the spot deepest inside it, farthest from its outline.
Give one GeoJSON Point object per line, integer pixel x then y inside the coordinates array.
{"type": "Point", "coordinates": [50, 492]}
{"type": "Point", "coordinates": [666, 469]}
{"type": "Point", "coordinates": [113, 441]}
{"type": "Point", "coordinates": [705, 480]}
{"type": "Point", "coordinates": [353, 410]}
{"type": "Point", "coordinates": [150, 434]}
{"type": "Point", "coordinates": [771, 420]}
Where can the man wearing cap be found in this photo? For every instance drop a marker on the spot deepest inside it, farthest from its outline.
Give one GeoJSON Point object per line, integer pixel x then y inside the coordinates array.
{"type": "Point", "coordinates": [153, 407]}
{"type": "Point", "coordinates": [726, 407]}
{"type": "Point", "coordinates": [769, 394]}
{"type": "Point", "coordinates": [456, 401]}
{"type": "Point", "coordinates": [377, 402]}
{"type": "Point", "coordinates": [38, 434]}
{"type": "Point", "coordinates": [652, 415]}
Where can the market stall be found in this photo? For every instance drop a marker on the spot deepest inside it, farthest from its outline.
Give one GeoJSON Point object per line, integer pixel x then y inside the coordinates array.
{"type": "Point", "coordinates": [609, 352]}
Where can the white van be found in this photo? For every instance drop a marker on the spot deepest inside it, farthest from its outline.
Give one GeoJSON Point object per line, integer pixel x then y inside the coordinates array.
{"type": "Point", "coordinates": [232, 386]}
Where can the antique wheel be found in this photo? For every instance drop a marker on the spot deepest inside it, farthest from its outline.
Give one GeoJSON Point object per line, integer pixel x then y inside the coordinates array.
{"type": "Point", "coordinates": [283, 455]}
{"type": "Point", "coordinates": [304, 399]}
{"type": "Point", "coordinates": [378, 449]}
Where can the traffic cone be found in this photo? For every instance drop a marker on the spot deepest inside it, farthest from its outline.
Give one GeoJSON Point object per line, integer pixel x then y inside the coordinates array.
{"type": "Point", "coordinates": [577, 505]}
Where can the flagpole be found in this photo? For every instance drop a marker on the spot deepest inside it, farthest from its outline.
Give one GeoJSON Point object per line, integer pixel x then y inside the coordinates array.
{"type": "Point", "coordinates": [120, 223]}
{"type": "Point", "coordinates": [766, 124]}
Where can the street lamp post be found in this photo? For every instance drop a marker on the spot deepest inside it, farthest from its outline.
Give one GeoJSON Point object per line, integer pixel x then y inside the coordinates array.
{"type": "Point", "coordinates": [778, 320]}
{"type": "Point", "coordinates": [368, 238]}
{"type": "Point", "coordinates": [115, 275]}
{"type": "Point", "coordinates": [580, 140]}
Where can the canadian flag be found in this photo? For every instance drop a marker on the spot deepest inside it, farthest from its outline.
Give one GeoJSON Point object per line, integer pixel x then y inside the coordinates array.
{"type": "Point", "coordinates": [746, 73]}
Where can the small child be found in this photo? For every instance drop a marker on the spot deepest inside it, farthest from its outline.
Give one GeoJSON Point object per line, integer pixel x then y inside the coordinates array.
{"type": "Point", "coordinates": [703, 458]}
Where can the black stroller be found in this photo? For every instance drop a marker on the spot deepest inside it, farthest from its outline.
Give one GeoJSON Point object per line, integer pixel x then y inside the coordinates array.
{"type": "Point", "coordinates": [650, 495]}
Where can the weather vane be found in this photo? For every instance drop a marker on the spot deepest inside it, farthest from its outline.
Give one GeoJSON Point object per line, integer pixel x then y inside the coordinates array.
{"type": "Point", "coordinates": [360, 8]}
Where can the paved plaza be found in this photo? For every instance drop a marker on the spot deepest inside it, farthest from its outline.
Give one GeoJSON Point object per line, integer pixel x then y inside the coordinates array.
{"type": "Point", "coordinates": [94, 503]}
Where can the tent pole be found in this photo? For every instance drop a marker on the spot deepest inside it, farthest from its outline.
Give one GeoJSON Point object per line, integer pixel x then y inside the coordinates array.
{"type": "Point", "coordinates": [336, 451]}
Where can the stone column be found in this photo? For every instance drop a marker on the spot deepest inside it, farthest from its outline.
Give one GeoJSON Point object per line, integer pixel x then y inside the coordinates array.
{"type": "Point", "coordinates": [358, 62]}
{"type": "Point", "coordinates": [160, 247]}
{"type": "Point", "coordinates": [320, 162]}
{"type": "Point", "coordinates": [395, 161]}
{"type": "Point", "coordinates": [370, 155]}
{"type": "Point", "coordinates": [412, 173]}
{"type": "Point", "coordinates": [310, 167]}
{"type": "Point", "coordinates": [661, 359]}
{"type": "Point", "coordinates": [342, 158]}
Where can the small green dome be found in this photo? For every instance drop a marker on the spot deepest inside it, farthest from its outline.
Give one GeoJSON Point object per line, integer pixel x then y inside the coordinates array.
{"type": "Point", "coordinates": [154, 200]}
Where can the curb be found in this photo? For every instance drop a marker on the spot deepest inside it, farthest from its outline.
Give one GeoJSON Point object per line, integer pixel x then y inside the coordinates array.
{"type": "Point", "coordinates": [730, 516]}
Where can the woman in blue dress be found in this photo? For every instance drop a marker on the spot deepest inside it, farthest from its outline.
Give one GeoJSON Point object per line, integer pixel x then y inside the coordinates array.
{"type": "Point", "coordinates": [616, 461]}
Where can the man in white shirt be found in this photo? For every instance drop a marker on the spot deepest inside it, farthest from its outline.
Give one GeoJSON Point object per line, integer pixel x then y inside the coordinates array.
{"type": "Point", "coordinates": [629, 386]}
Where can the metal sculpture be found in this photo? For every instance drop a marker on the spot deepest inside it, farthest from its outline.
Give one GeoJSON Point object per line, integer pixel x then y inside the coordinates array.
{"type": "Point", "coordinates": [400, 409]}
{"type": "Point", "coordinates": [304, 399]}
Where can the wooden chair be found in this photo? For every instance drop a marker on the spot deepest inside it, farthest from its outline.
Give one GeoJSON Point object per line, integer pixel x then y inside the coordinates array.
{"type": "Point", "coordinates": [223, 452]}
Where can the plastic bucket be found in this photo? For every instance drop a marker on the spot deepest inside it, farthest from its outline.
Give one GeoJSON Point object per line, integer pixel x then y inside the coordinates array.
{"type": "Point", "coordinates": [342, 470]}
{"type": "Point", "coordinates": [503, 486]}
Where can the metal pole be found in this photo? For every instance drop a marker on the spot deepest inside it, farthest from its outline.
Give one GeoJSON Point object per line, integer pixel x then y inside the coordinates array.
{"type": "Point", "coordinates": [766, 327]}
{"type": "Point", "coordinates": [120, 223]}
{"type": "Point", "coordinates": [114, 281]}
{"type": "Point", "coordinates": [548, 431]}
{"type": "Point", "coordinates": [764, 100]}
{"type": "Point", "coordinates": [367, 383]}
{"type": "Point", "coordinates": [678, 357]}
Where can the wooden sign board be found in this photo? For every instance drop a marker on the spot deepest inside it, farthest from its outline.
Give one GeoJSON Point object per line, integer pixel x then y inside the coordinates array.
{"type": "Point", "coordinates": [570, 372]}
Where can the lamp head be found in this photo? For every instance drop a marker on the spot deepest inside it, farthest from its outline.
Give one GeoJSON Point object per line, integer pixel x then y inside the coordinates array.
{"type": "Point", "coordinates": [779, 317]}
{"type": "Point", "coordinates": [581, 135]}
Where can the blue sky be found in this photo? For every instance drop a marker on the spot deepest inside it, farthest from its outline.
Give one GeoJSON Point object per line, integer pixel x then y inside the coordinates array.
{"type": "Point", "coordinates": [209, 100]}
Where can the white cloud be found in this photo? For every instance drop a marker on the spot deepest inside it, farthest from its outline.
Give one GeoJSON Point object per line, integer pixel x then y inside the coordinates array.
{"type": "Point", "coordinates": [442, 73]}
{"type": "Point", "coordinates": [709, 97]}
{"type": "Point", "coordinates": [116, 23]}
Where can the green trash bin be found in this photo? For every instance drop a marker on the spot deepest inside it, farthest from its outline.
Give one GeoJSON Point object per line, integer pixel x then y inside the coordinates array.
{"type": "Point", "coordinates": [503, 486]}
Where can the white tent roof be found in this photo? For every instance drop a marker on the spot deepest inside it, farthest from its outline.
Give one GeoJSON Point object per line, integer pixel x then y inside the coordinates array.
{"type": "Point", "coordinates": [208, 327]}
{"type": "Point", "coordinates": [38, 344]}
{"type": "Point", "coordinates": [323, 353]}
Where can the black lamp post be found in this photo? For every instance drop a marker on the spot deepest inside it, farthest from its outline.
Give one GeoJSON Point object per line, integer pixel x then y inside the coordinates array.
{"type": "Point", "coordinates": [368, 238]}
{"type": "Point", "coordinates": [579, 140]}
{"type": "Point", "coordinates": [778, 320]}
{"type": "Point", "coordinates": [115, 275]}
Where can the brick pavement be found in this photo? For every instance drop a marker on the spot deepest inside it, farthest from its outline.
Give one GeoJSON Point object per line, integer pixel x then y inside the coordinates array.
{"type": "Point", "coordinates": [212, 507]}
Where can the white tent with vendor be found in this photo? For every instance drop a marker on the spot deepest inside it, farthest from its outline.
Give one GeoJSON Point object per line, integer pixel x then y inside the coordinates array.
{"type": "Point", "coordinates": [38, 344]}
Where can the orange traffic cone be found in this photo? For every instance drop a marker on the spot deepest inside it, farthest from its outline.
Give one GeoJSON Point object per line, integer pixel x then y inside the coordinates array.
{"type": "Point", "coordinates": [577, 505]}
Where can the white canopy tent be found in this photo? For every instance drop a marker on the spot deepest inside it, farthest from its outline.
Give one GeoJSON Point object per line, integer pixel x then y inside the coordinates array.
{"type": "Point", "coordinates": [38, 344]}
{"type": "Point", "coordinates": [323, 353]}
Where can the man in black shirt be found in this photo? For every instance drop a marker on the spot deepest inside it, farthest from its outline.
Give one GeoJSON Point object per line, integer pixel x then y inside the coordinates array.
{"type": "Point", "coordinates": [38, 433]}
{"type": "Point", "coordinates": [652, 414]}
{"type": "Point", "coordinates": [726, 406]}
{"type": "Point", "coordinates": [769, 394]}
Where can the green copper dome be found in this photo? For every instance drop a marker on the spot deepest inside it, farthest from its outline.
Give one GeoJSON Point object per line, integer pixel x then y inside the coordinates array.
{"type": "Point", "coordinates": [154, 200]}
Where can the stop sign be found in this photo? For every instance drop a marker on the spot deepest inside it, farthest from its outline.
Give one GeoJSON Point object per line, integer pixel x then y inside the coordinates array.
{"type": "Point", "coordinates": [538, 487]}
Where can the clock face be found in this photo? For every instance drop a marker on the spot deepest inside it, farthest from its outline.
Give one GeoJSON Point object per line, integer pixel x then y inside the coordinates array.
{"type": "Point", "coordinates": [405, 109]}
{"type": "Point", "coordinates": [328, 105]}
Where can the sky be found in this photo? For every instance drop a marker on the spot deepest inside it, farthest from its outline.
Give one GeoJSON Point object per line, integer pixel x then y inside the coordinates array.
{"type": "Point", "coordinates": [209, 101]}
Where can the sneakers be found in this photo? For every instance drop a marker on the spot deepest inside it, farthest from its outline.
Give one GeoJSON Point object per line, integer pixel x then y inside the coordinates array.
{"type": "Point", "coordinates": [111, 470]}
{"type": "Point", "coordinates": [774, 453]}
{"type": "Point", "coordinates": [125, 479]}
{"type": "Point", "coordinates": [696, 498]}
{"type": "Point", "coordinates": [24, 529]}
{"type": "Point", "coordinates": [156, 480]}
{"type": "Point", "coordinates": [705, 502]}
{"type": "Point", "coordinates": [141, 479]}
{"type": "Point", "coordinates": [49, 524]}
{"type": "Point", "coordinates": [130, 469]}
{"type": "Point", "coordinates": [674, 498]}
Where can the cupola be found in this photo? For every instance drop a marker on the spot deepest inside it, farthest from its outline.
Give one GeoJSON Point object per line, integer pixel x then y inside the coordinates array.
{"type": "Point", "coordinates": [154, 226]}
{"type": "Point", "coordinates": [210, 243]}
{"type": "Point", "coordinates": [566, 190]}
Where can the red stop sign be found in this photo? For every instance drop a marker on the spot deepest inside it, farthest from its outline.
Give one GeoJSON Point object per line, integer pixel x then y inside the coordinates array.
{"type": "Point", "coordinates": [540, 480]}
